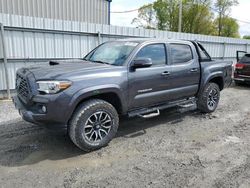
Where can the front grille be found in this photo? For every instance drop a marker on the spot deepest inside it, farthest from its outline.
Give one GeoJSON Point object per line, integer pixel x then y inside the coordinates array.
{"type": "Point", "coordinates": [22, 87]}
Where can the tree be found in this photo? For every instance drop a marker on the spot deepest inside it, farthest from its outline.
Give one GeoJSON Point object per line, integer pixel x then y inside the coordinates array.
{"type": "Point", "coordinates": [166, 14]}
{"type": "Point", "coordinates": [146, 17]}
{"type": "Point", "coordinates": [223, 8]}
{"type": "Point", "coordinates": [229, 27]}
{"type": "Point", "coordinates": [197, 16]}
{"type": "Point", "coordinates": [246, 37]}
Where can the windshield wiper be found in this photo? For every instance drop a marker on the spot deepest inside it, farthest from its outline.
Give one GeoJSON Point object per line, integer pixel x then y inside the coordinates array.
{"type": "Point", "coordinates": [102, 62]}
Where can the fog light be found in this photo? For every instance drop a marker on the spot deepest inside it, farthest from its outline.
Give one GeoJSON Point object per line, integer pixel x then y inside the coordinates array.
{"type": "Point", "coordinates": [44, 109]}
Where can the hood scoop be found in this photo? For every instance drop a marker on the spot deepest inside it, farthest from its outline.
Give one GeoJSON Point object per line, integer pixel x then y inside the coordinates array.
{"type": "Point", "coordinates": [52, 63]}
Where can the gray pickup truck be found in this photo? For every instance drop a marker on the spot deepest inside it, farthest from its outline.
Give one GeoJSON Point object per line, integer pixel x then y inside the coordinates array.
{"type": "Point", "coordinates": [134, 77]}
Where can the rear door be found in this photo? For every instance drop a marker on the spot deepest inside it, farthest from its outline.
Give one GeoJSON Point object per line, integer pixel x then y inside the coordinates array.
{"type": "Point", "coordinates": [185, 74]}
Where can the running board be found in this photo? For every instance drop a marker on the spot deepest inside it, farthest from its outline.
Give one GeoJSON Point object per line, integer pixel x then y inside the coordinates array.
{"type": "Point", "coordinates": [187, 105]}
{"type": "Point", "coordinates": [155, 111]}
{"type": "Point", "coordinates": [153, 114]}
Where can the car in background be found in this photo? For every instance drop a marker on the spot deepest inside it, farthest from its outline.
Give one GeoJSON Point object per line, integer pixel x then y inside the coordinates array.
{"type": "Point", "coordinates": [242, 68]}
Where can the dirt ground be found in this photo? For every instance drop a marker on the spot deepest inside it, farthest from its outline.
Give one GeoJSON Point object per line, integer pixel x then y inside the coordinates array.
{"type": "Point", "coordinates": [179, 148]}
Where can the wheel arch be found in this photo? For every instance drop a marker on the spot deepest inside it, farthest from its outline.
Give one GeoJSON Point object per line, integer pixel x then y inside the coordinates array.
{"type": "Point", "coordinates": [112, 95]}
{"type": "Point", "coordinates": [216, 78]}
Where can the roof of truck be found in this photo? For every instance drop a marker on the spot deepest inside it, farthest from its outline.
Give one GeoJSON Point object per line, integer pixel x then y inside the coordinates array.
{"type": "Point", "coordinates": [141, 40]}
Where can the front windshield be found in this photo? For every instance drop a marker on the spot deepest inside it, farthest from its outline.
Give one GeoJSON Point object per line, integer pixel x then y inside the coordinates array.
{"type": "Point", "coordinates": [113, 53]}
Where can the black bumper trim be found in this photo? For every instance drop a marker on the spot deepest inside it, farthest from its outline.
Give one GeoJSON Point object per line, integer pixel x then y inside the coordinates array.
{"type": "Point", "coordinates": [26, 114]}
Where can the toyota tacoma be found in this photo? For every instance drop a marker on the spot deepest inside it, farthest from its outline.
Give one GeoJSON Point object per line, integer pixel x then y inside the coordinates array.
{"type": "Point", "coordinates": [133, 77]}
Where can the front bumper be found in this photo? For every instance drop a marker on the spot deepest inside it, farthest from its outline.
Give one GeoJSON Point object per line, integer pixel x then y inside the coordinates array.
{"type": "Point", "coordinates": [24, 113]}
{"type": "Point", "coordinates": [57, 110]}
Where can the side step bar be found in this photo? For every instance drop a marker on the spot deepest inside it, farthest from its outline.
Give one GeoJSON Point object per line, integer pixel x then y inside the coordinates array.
{"type": "Point", "coordinates": [153, 114]}
{"type": "Point", "coordinates": [155, 111]}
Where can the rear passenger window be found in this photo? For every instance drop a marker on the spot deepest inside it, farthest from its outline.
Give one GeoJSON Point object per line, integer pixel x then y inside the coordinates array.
{"type": "Point", "coordinates": [156, 52]}
{"type": "Point", "coordinates": [180, 53]}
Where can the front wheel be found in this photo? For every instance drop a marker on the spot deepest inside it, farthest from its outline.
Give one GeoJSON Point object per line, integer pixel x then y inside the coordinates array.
{"type": "Point", "coordinates": [93, 125]}
{"type": "Point", "coordinates": [209, 98]}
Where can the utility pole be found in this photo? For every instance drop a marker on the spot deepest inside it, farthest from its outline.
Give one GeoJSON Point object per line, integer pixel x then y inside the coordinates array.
{"type": "Point", "coordinates": [180, 16]}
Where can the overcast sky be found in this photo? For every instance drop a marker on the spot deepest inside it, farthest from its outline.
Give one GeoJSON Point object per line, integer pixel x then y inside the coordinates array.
{"type": "Point", "coordinates": [240, 12]}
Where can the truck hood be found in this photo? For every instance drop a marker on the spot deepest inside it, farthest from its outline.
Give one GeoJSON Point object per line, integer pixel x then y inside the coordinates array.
{"type": "Point", "coordinates": [66, 69]}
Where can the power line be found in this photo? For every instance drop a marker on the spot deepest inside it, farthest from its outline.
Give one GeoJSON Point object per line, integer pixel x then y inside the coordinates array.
{"type": "Point", "coordinates": [134, 10]}
{"type": "Point", "coordinates": [243, 21]}
{"type": "Point", "coordinates": [127, 11]}
{"type": "Point", "coordinates": [121, 12]}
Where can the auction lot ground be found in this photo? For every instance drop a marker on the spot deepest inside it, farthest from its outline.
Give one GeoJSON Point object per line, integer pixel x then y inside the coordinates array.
{"type": "Point", "coordinates": [175, 149]}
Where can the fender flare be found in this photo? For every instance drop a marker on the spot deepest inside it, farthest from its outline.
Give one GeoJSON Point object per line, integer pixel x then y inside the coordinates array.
{"type": "Point", "coordinates": [96, 90]}
{"type": "Point", "coordinates": [210, 77]}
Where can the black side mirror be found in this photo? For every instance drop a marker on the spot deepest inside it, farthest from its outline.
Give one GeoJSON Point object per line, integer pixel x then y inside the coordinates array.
{"type": "Point", "coordinates": [141, 63]}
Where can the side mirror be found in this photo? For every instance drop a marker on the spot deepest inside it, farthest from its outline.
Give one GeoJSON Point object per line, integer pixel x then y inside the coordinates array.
{"type": "Point", "coordinates": [141, 63]}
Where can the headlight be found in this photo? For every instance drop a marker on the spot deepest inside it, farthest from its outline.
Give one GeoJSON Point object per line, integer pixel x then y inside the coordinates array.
{"type": "Point", "coordinates": [52, 87]}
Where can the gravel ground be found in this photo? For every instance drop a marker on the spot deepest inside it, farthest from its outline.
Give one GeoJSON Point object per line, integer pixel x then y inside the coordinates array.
{"type": "Point", "coordinates": [179, 148]}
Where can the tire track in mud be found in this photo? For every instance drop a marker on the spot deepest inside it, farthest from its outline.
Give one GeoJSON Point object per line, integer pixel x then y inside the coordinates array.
{"type": "Point", "coordinates": [21, 132]}
{"type": "Point", "coordinates": [16, 141]}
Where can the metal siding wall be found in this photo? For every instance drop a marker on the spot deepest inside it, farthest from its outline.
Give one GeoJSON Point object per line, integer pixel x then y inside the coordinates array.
{"type": "Point", "coordinates": [94, 11]}
{"type": "Point", "coordinates": [76, 39]}
{"type": "Point", "coordinates": [2, 72]}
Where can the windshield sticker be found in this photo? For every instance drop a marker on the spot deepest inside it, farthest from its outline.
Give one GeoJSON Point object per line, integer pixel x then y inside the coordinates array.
{"type": "Point", "coordinates": [131, 44]}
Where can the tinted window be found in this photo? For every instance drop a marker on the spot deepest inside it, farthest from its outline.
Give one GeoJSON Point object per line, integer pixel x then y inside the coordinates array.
{"type": "Point", "coordinates": [245, 59]}
{"type": "Point", "coordinates": [180, 53]}
{"type": "Point", "coordinates": [156, 52]}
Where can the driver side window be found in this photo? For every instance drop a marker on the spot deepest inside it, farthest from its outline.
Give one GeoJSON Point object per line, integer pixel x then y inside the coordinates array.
{"type": "Point", "coordinates": [156, 52]}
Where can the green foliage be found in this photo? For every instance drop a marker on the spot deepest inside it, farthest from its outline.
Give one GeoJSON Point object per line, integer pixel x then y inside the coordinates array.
{"type": "Point", "coordinates": [223, 8]}
{"type": "Point", "coordinates": [197, 17]}
{"type": "Point", "coordinates": [246, 37]}
{"type": "Point", "coordinates": [166, 14]}
{"type": "Point", "coordinates": [229, 27]}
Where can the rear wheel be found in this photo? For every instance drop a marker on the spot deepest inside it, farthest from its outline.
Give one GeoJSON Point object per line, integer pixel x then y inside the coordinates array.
{"type": "Point", "coordinates": [209, 98]}
{"type": "Point", "coordinates": [93, 125]}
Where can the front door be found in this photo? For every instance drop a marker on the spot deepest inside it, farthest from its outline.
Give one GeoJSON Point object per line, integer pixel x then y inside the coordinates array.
{"type": "Point", "coordinates": [148, 86]}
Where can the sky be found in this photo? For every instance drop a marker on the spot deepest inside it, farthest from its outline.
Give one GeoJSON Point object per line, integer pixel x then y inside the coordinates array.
{"type": "Point", "coordinates": [240, 12]}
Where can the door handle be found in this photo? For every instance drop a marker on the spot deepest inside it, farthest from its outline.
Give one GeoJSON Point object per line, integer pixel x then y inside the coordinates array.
{"type": "Point", "coordinates": [165, 73]}
{"type": "Point", "coordinates": [194, 70]}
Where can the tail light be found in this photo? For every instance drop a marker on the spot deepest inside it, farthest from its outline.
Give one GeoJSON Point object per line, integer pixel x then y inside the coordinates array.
{"type": "Point", "coordinates": [239, 66]}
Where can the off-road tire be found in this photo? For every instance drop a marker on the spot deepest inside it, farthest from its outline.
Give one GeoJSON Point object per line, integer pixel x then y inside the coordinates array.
{"type": "Point", "coordinates": [204, 97]}
{"type": "Point", "coordinates": [76, 127]}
